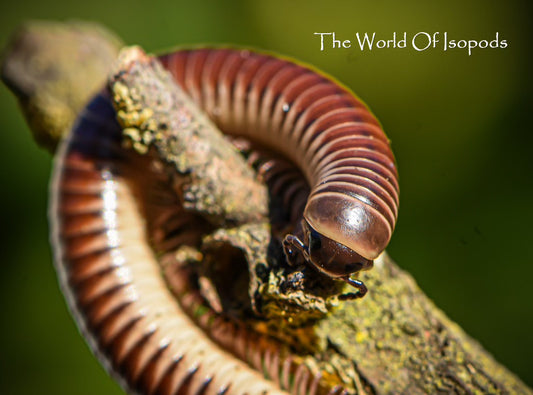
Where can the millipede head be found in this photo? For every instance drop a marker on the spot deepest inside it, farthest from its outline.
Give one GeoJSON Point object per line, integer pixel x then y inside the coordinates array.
{"type": "Point", "coordinates": [330, 256]}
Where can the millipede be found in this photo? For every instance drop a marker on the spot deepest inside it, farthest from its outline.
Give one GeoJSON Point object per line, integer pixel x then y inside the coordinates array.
{"type": "Point", "coordinates": [110, 274]}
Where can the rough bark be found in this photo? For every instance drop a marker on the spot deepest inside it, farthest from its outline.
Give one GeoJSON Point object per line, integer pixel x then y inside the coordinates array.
{"type": "Point", "coordinates": [395, 340]}
{"type": "Point", "coordinates": [212, 179]}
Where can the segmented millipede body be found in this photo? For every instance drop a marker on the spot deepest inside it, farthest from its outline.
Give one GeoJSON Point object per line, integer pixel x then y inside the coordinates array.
{"type": "Point", "coordinates": [325, 130]}
{"type": "Point", "coordinates": [109, 272]}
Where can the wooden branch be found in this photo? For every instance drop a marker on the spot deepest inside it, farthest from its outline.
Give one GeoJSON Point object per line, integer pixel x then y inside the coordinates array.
{"type": "Point", "coordinates": [53, 69]}
{"type": "Point", "coordinates": [154, 113]}
{"type": "Point", "coordinates": [395, 340]}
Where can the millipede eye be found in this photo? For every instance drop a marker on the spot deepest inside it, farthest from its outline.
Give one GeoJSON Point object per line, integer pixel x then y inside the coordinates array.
{"type": "Point", "coordinates": [314, 235]}
{"type": "Point", "coordinates": [315, 241]}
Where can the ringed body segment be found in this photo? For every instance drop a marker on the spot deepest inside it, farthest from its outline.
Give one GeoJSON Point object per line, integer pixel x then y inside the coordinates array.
{"type": "Point", "coordinates": [109, 273]}
{"type": "Point", "coordinates": [324, 129]}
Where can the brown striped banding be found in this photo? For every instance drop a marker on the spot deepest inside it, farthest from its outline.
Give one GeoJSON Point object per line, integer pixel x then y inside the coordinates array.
{"type": "Point", "coordinates": [109, 272]}
{"type": "Point", "coordinates": [320, 126]}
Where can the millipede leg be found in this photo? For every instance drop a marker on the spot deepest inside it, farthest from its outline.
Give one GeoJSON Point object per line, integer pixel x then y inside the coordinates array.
{"type": "Point", "coordinates": [292, 245]}
{"type": "Point", "coordinates": [356, 284]}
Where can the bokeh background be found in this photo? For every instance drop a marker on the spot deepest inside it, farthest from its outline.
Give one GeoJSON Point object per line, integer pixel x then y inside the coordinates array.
{"type": "Point", "coordinates": [460, 127]}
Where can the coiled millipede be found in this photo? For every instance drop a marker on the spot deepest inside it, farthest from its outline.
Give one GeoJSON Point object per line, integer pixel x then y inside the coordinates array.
{"type": "Point", "coordinates": [110, 274]}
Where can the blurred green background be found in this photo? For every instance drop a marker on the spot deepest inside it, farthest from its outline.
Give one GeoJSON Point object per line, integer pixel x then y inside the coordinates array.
{"type": "Point", "coordinates": [460, 127]}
